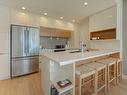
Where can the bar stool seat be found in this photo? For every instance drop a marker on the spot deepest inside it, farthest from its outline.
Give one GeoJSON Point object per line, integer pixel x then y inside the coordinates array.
{"type": "Point", "coordinates": [96, 65]}
{"type": "Point", "coordinates": [107, 61]}
{"type": "Point", "coordinates": [86, 80]}
{"type": "Point", "coordinates": [84, 71]}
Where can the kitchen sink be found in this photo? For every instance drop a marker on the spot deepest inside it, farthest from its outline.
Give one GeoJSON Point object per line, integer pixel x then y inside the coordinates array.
{"type": "Point", "coordinates": [75, 51]}
{"type": "Point", "coordinates": [88, 50]}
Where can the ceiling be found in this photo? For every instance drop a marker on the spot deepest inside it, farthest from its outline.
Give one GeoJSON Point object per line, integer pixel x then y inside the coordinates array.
{"type": "Point", "coordinates": [68, 9]}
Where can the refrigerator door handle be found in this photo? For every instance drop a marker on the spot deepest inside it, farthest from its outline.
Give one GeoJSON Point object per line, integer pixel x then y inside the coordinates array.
{"type": "Point", "coordinates": [25, 46]}
{"type": "Point", "coordinates": [27, 41]}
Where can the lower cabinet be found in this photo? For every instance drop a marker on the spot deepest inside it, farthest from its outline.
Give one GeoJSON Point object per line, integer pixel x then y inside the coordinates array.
{"type": "Point", "coordinates": [4, 66]}
{"type": "Point", "coordinates": [4, 42]}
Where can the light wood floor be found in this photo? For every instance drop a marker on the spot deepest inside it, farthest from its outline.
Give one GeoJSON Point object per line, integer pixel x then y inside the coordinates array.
{"type": "Point", "coordinates": [26, 85]}
{"type": "Point", "coordinates": [31, 85]}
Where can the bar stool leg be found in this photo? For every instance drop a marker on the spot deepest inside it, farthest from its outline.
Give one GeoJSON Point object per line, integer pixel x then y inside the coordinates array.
{"type": "Point", "coordinates": [121, 70]}
{"type": "Point", "coordinates": [108, 78]}
{"type": "Point", "coordinates": [115, 80]}
{"type": "Point", "coordinates": [80, 86]}
{"type": "Point", "coordinates": [117, 72]}
{"type": "Point", "coordinates": [105, 71]}
{"type": "Point", "coordinates": [96, 83]}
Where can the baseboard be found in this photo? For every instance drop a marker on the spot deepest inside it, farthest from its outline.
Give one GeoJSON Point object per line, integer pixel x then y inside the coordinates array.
{"type": "Point", "coordinates": [124, 76]}
{"type": "Point", "coordinates": [5, 77]}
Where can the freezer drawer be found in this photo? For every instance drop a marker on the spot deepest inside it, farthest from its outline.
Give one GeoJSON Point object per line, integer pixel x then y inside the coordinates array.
{"type": "Point", "coordinates": [23, 66]}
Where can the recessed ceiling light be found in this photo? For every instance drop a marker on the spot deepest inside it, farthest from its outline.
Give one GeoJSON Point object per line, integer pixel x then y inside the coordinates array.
{"type": "Point", "coordinates": [61, 17]}
{"type": "Point", "coordinates": [45, 14]}
{"type": "Point", "coordinates": [23, 8]}
{"type": "Point", "coordinates": [85, 3]}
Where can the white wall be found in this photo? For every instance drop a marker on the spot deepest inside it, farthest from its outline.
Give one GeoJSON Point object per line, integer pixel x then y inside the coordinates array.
{"type": "Point", "coordinates": [76, 37]}
{"type": "Point", "coordinates": [82, 33]}
{"type": "Point", "coordinates": [124, 37]}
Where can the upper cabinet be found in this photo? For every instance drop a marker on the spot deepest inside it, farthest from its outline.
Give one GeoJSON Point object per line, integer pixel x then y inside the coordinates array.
{"type": "Point", "coordinates": [53, 32]}
{"type": "Point", "coordinates": [4, 29]}
{"type": "Point", "coordinates": [4, 19]}
{"type": "Point", "coordinates": [104, 20]}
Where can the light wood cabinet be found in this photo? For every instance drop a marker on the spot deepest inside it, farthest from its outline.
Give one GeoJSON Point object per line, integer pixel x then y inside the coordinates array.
{"type": "Point", "coordinates": [46, 32]}
{"type": "Point", "coordinates": [64, 34]}
{"type": "Point", "coordinates": [53, 32]}
{"type": "Point", "coordinates": [103, 34]}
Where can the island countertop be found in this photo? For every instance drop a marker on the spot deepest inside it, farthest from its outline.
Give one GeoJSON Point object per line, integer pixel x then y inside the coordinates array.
{"type": "Point", "coordinates": [65, 58]}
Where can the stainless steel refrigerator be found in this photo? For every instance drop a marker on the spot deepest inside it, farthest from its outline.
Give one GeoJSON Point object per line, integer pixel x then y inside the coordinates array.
{"type": "Point", "coordinates": [24, 50]}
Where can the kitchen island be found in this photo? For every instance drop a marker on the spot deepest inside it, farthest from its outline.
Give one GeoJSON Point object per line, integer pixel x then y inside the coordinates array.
{"type": "Point", "coordinates": [59, 66]}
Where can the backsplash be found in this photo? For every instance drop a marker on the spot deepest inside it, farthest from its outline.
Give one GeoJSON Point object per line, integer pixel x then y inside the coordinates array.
{"type": "Point", "coordinates": [47, 42]}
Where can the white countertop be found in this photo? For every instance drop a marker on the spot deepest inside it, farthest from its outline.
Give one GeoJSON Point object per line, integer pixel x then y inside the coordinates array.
{"type": "Point", "coordinates": [65, 58]}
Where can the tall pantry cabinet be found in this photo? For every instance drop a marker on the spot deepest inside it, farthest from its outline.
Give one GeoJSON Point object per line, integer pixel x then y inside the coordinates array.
{"type": "Point", "coordinates": [4, 43]}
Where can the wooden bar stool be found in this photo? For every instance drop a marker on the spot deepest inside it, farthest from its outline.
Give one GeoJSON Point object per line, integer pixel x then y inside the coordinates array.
{"type": "Point", "coordinates": [111, 71]}
{"type": "Point", "coordinates": [85, 77]}
{"type": "Point", "coordinates": [119, 69]}
{"type": "Point", "coordinates": [100, 78]}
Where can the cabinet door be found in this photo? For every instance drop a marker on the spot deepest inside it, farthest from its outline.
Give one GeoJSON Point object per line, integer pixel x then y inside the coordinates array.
{"type": "Point", "coordinates": [106, 19]}
{"type": "Point", "coordinates": [4, 19]}
{"type": "Point", "coordinates": [45, 32]}
{"type": "Point", "coordinates": [4, 67]}
{"type": "Point", "coordinates": [65, 34]}
{"type": "Point", "coordinates": [4, 42]}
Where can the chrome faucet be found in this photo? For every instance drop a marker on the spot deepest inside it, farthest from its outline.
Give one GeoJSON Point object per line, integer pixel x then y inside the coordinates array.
{"type": "Point", "coordinates": [82, 46]}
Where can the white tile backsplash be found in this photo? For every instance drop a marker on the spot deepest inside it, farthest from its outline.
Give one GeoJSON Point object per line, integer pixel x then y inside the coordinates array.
{"type": "Point", "coordinates": [47, 42]}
